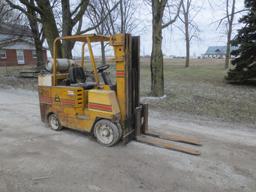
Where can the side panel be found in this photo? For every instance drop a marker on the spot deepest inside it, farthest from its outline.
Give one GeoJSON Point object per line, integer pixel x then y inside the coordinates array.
{"type": "Point", "coordinates": [45, 101]}
{"type": "Point", "coordinates": [70, 104]}
{"type": "Point", "coordinates": [103, 100]}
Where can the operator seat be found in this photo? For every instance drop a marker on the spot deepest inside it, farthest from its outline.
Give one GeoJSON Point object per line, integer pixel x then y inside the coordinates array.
{"type": "Point", "coordinates": [78, 78]}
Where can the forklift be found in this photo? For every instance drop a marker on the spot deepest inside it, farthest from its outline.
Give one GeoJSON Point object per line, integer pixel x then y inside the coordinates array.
{"type": "Point", "coordinates": [110, 111]}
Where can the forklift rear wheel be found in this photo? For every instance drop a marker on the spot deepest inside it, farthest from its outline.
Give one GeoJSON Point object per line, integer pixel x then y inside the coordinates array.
{"type": "Point", "coordinates": [106, 132]}
{"type": "Point", "coordinates": [54, 122]}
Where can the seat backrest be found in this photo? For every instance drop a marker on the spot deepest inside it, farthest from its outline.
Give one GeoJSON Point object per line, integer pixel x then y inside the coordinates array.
{"type": "Point", "coordinates": [77, 75]}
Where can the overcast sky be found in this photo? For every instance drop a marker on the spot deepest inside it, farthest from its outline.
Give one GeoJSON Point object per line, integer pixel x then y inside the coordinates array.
{"type": "Point", "coordinates": [173, 40]}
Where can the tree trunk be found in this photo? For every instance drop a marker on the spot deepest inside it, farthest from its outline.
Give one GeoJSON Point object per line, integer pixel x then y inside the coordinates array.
{"type": "Point", "coordinates": [230, 26]}
{"type": "Point", "coordinates": [49, 25]}
{"type": "Point", "coordinates": [187, 53]}
{"type": "Point", "coordinates": [102, 46]}
{"type": "Point", "coordinates": [187, 39]}
{"type": "Point", "coordinates": [156, 62]}
{"type": "Point", "coordinates": [122, 16]}
{"type": "Point", "coordinates": [100, 30]}
{"type": "Point", "coordinates": [67, 46]}
{"type": "Point", "coordinates": [228, 50]}
{"type": "Point", "coordinates": [36, 36]}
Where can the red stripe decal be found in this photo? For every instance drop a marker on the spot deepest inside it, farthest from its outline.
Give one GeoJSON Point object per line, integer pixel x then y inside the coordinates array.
{"type": "Point", "coordinates": [120, 73]}
{"type": "Point", "coordinates": [68, 102]}
{"type": "Point", "coordinates": [45, 99]}
{"type": "Point", "coordinates": [48, 100]}
{"type": "Point", "coordinates": [100, 106]}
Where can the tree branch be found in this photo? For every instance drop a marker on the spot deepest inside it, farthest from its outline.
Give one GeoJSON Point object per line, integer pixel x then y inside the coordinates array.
{"type": "Point", "coordinates": [83, 6]}
{"type": "Point", "coordinates": [79, 27]}
{"type": "Point", "coordinates": [222, 19]}
{"type": "Point", "coordinates": [31, 6]}
{"type": "Point", "coordinates": [181, 29]}
{"type": "Point", "coordinates": [101, 21]}
{"type": "Point", "coordinates": [227, 11]}
{"type": "Point", "coordinates": [110, 18]}
{"type": "Point", "coordinates": [175, 17]}
{"type": "Point", "coordinates": [21, 9]}
{"type": "Point", "coordinates": [77, 8]}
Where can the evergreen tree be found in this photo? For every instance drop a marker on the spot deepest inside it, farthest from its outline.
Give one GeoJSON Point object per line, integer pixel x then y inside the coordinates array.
{"type": "Point", "coordinates": [245, 56]}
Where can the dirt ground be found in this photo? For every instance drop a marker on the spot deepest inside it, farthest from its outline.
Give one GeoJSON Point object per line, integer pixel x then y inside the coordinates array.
{"type": "Point", "coordinates": [35, 158]}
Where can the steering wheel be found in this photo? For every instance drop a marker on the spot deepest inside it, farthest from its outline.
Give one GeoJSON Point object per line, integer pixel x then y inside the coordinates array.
{"type": "Point", "coordinates": [102, 68]}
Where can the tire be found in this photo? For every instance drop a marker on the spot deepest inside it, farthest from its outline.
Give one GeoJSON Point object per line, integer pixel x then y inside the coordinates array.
{"type": "Point", "coordinates": [106, 132]}
{"type": "Point", "coordinates": [54, 123]}
{"type": "Point", "coordinates": [120, 130]}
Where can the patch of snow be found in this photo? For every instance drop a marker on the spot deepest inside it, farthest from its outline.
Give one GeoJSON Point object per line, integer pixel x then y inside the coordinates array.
{"type": "Point", "coordinates": [154, 98]}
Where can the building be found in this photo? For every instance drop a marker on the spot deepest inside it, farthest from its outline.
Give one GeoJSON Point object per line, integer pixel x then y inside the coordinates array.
{"type": "Point", "coordinates": [216, 52]}
{"type": "Point", "coordinates": [17, 46]}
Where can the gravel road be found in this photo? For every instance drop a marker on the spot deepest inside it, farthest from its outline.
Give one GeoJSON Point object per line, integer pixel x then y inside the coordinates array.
{"type": "Point", "coordinates": [35, 158]}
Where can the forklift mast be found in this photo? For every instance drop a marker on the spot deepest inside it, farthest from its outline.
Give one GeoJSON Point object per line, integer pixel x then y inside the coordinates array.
{"type": "Point", "coordinates": [127, 50]}
{"type": "Point", "coordinates": [135, 114]}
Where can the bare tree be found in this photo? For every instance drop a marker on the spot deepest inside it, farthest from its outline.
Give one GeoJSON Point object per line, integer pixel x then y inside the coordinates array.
{"type": "Point", "coordinates": [43, 14]}
{"type": "Point", "coordinates": [126, 11]}
{"type": "Point", "coordinates": [37, 35]}
{"type": "Point", "coordinates": [120, 19]}
{"type": "Point", "coordinates": [44, 10]}
{"type": "Point", "coordinates": [230, 19]}
{"type": "Point", "coordinates": [27, 8]}
{"type": "Point", "coordinates": [96, 11]}
{"type": "Point", "coordinates": [190, 29]}
{"type": "Point", "coordinates": [4, 11]}
{"type": "Point", "coordinates": [73, 18]}
{"type": "Point", "coordinates": [70, 18]}
{"type": "Point", "coordinates": [9, 15]}
{"type": "Point", "coordinates": [59, 17]}
{"type": "Point", "coordinates": [156, 62]}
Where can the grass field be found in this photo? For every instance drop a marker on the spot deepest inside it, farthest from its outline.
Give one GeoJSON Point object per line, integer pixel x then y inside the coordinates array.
{"type": "Point", "coordinates": [199, 90]}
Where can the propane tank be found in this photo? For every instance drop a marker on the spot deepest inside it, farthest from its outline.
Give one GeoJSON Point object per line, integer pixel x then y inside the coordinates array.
{"type": "Point", "coordinates": [63, 64]}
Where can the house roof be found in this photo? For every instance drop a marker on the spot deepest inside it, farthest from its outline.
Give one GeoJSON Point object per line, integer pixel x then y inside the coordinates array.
{"type": "Point", "coordinates": [15, 29]}
{"type": "Point", "coordinates": [15, 41]}
{"type": "Point", "coordinates": [217, 50]}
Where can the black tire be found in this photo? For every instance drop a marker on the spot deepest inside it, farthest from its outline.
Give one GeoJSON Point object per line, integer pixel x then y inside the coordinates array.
{"type": "Point", "coordinates": [106, 132]}
{"type": "Point", "coordinates": [120, 130]}
{"type": "Point", "coordinates": [54, 122]}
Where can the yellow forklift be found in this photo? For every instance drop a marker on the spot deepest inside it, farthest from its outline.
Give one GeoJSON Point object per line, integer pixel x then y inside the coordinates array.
{"type": "Point", "coordinates": [109, 111]}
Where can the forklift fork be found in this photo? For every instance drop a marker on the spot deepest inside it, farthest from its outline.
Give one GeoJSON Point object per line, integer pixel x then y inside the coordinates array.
{"type": "Point", "coordinates": [163, 140]}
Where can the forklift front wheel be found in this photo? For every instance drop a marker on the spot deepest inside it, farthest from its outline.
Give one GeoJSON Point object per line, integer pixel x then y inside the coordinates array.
{"type": "Point", "coordinates": [106, 132]}
{"type": "Point", "coordinates": [54, 122]}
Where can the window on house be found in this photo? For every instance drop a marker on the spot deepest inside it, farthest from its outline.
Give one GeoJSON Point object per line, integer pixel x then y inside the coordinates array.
{"type": "Point", "coordinates": [3, 54]}
{"type": "Point", "coordinates": [34, 54]}
{"type": "Point", "coordinates": [20, 57]}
